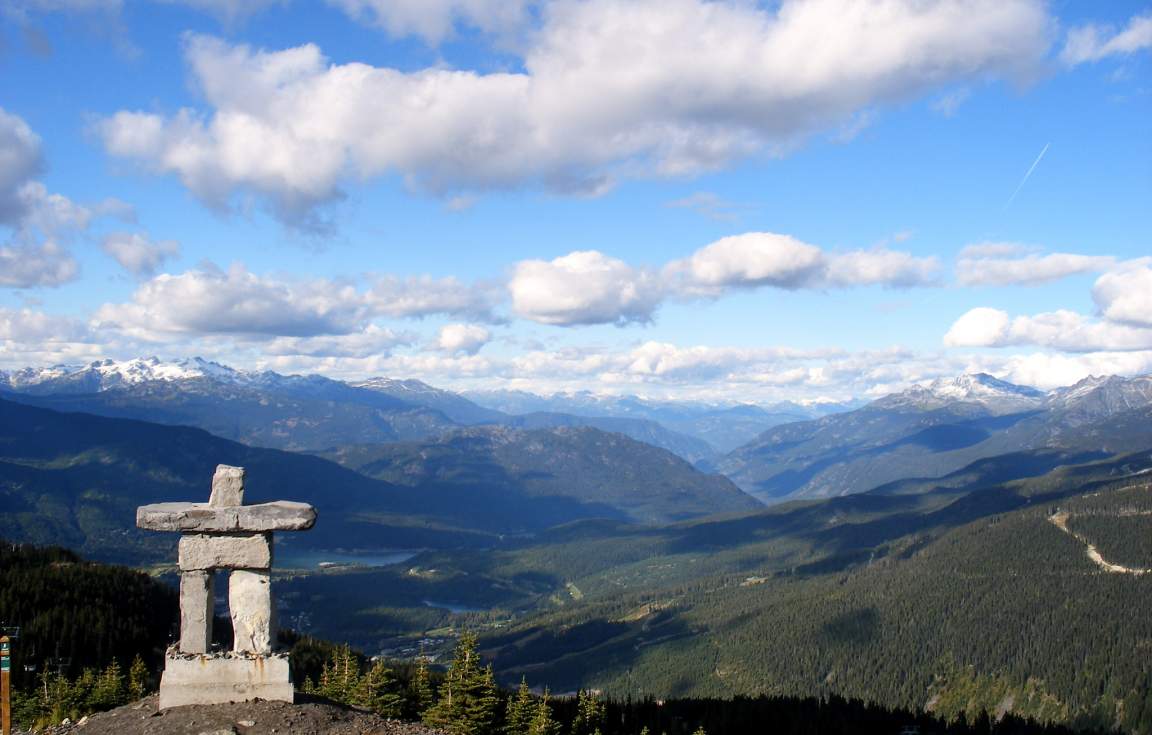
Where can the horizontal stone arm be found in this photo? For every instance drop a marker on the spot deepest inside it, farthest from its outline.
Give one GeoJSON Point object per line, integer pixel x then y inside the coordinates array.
{"type": "Point", "coordinates": [281, 515]}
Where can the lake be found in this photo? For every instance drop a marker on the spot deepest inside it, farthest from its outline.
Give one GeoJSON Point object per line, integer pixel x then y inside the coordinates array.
{"type": "Point", "coordinates": [289, 558]}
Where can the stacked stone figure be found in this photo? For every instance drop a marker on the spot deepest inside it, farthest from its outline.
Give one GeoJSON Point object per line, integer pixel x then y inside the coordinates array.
{"type": "Point", "coordinates": [225, 534]}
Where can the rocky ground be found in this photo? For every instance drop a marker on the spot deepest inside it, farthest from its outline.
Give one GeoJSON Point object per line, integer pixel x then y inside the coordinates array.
{"type": "Point", "coordinates": [310, 716]}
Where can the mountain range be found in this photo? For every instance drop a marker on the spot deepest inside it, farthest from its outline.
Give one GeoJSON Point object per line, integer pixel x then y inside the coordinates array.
{"type": "Point", "coordinates": [932, 430]}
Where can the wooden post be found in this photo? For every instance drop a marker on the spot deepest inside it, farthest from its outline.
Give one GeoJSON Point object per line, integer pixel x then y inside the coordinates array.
{"type": "Point", "coordinates": [5, 693]}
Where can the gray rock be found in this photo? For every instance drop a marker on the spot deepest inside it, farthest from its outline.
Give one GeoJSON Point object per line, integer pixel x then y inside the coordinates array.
{"type": "Point", "coordinates": [196, 600]}
{"type": "Point", "coordinates": [281, 515]}
{"type": "Point", "coordinates": [227, 486]}
{"type": "Point", "coordinates": [226, 551]}
{"type": "Point", "coordinates": [219, 679]}
{"type": "Point", "coordinates": [250, 603]}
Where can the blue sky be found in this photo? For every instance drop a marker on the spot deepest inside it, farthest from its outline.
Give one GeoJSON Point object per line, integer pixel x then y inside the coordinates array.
{"type": "Point", "coordinates": [808, 199]}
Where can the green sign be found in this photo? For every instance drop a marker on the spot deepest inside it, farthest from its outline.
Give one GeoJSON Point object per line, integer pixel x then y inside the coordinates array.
{"type": "Point", "coordinates": [4, 647]}
{"type": "Point", "coordinates": [5, 664]}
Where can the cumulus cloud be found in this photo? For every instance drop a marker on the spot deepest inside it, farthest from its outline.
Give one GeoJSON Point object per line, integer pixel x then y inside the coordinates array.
{"type": "Point", "coordinates": [29, 325]}
{"type": "Point", "coordinates": [462, 339]}
{"type": "Point", "coordinates": [584, 287]}
{"type": "Point", "coordinates": [757, 259]}
{"type": "Point", "coordinates": [747, 261]}
{"type": "Point", "coordinates": [1092, 42]}
{"type": "Point", "coordinates": [1062, 330]}
{"type": "Point", "coordinates": [27, 265]}
{"type": "Point", "coordinates": [1125, 295]}
{"type": "Point", "coordinates": [235, 301]}
{"type": "Point", "coordinates": [20, 162]}
{"type": "Point", "coordinates": [40, 222]}
{"type": "Point", "coordinates": [137, 253]}
{"type": "Point", "coordinates": [209, 300]}
{"type": "Point", "coordinates": [1003, 264]}
{"type": "Point", "coordinates": [588, 287]}
{"type": "Point", "coordinates": [609, 90]}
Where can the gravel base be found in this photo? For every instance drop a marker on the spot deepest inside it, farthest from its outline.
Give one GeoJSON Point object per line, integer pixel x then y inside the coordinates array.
{"type": "Point", "coordinates": [310, 716]}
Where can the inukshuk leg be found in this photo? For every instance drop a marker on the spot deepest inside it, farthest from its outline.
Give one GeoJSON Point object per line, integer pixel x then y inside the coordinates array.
{"type": "Point", "coordinates": [250, 602]}
{"type": "Point", "coordinates": [196, 602]}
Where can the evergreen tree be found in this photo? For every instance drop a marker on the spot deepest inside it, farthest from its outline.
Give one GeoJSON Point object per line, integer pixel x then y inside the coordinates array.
{"type": "Point", "coordinates": [420, 688]}
{"type": "Point", "coordinates": [378, 691]}
{"type": "Point", "coordinates": [590, 714]}
{"type": "Point", "coordinates": [138, 678]}
{"type": "Point", "coordinates": [467, 700]}
{"type": "Point", "coordinates": [107, 690]}
{"type": "Point", "coordinates": [543, 722]}
{"type": "Point", "coordinates": [521, 710]}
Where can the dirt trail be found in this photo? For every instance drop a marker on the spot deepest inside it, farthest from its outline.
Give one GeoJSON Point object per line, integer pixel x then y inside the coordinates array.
{"type": "Point", "coordinates": [1060, 520]}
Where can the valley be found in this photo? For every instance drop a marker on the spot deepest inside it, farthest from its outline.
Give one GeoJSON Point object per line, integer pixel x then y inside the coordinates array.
{"type": "Point", "coordinates": [586, 558]}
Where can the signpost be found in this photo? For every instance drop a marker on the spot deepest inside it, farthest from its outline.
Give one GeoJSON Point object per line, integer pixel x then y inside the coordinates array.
{"type": "Point", "coordinates": [5, 676]}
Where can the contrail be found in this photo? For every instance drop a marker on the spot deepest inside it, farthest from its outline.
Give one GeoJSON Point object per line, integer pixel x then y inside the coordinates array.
{"type": "Point", "coordinates": [1024, 180]}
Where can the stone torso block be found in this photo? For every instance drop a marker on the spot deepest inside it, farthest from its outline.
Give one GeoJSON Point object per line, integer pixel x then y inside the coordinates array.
{"type": "Point", "coordinates": [225, 551]}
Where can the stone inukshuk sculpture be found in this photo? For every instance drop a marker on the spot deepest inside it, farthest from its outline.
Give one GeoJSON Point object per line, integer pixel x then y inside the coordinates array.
{"type": "Point", "coordinates": [226, 534]}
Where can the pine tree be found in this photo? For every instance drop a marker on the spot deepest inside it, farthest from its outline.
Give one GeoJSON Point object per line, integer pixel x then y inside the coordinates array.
{"type": "Point", "coordinates": [590, 714]}
{"type": "Point", "coordinates": [543, 722]}
{"type": "Point", "coordinates": [483, 702]}
{"type": "Point", "coordinates": [107, 691]}
{"type": "Point", "coordinates": [520, 711]}
{"type": "Point", "coordinates": [378, 690]}
{"type": "Point", "coordinates": [138, 678]}
{"type": "Point", "coordinates": [467, 700]}
{"type": "Point", "coordinates": [420, 688]}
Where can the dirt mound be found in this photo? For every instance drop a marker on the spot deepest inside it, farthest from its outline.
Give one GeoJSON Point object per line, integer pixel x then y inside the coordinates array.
{"type": "Point", "coordinates": [310, 716]}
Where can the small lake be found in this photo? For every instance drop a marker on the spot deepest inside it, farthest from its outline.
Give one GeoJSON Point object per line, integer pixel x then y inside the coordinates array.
{"type": "Point", "coordinates": [289, 558]}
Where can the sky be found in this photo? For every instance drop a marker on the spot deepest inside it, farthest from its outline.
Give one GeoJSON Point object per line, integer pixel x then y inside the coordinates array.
{"type": "Point", "coordinates": [685, 199]}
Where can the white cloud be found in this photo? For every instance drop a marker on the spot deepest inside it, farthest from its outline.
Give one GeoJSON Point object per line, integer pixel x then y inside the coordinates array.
{"type": "Point", "coordinates": [609, 90]}
{"type": "Point", "coordinates": [583, 287]}
{"type": "Point", "coordinates": [28, 265]}
{"type": "Point", "coordinates": [137, 253]}
{"type": "Point", "coordinates": [31, 326]}
{"type": "Point", "coordinates": [462, 339]}
{"type": "Point", "coordinates": [1062, 330]}
{"type": "Point", "coordinates": [979, 327]}
{"type": "Point", "coordinates": [41, 222]}
{"type": "Point", "coordinates": [748, 261]}
{"type": "Point", "coordinates": [588, 287]}
{"type": "Point", "coordinates": [1092, 42]}
{"type": "Point", "coordinates": [435, 20]}
{"type": "Point", "coordinates": [20, 162]}
{"type": "Point", "coordinates": [1125, 295]}
{"type": "Point", "coordinates": [881, 266]}
{"type": "Point", "coordinates": [1003, 264]}
{"type": "Point", "coordinates": [420, 296]}
{"type": "Point", "coordinates": [757, 259]}
{"type": "Point", "coordinates": [1046, 370]}
{"type": "Point", "coordinates": [236, 302]}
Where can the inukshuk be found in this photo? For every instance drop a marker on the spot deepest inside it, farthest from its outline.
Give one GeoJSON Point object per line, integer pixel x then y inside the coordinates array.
{"type": "Point", "coordinates": [225, 534]}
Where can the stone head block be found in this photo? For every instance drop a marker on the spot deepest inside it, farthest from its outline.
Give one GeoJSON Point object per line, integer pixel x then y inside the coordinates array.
{"type": "Point", "coordinates": [227, 487]}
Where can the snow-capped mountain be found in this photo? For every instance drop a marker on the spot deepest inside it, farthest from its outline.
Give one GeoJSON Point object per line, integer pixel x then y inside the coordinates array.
{"type": "Point", "coordinates": [1095, 397]}
{"type": "Point", "coordinates": [108, 374]}
{"type": "Point", "coordinates": [979, 390]}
